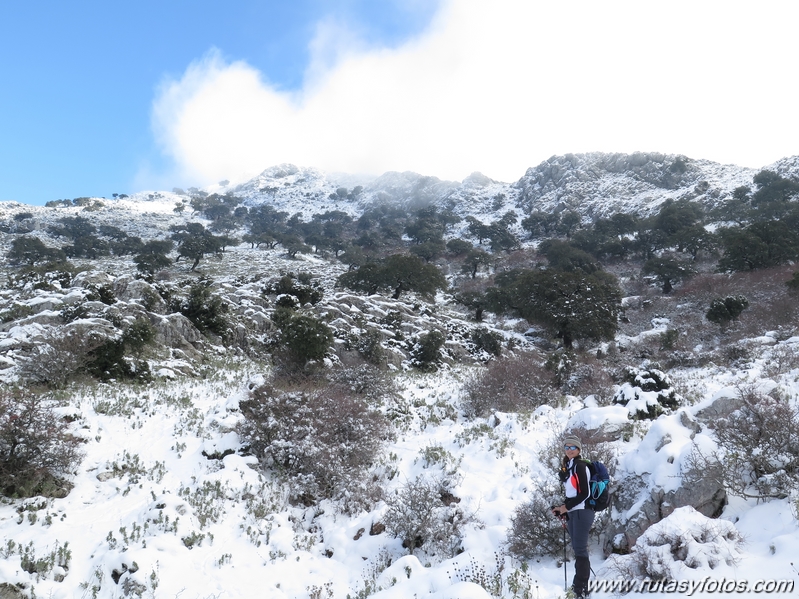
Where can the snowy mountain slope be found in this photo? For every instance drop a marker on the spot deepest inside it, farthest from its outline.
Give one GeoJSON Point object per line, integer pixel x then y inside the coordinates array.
{"type": "Point", "coordinates": [598, 185]}
{"type": "Point", "coordinates": [167, 503]}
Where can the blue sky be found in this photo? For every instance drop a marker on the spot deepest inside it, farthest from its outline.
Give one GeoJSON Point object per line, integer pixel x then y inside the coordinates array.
{"type": "Point", "coordinates": [104, 97]}
{"type": "Point", "coordinates": [80, 77]}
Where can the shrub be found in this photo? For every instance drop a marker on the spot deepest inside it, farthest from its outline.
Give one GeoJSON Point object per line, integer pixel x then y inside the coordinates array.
{"type": "Point", "coordinates": [426, 351]}
{"type": "Point", "coordinates": [488, 341]}
{"type": "Point", "coordinates": [138, 335]}
{"type": "Point", "coordinates": [49, 276]}
{"type": "Point", "coordinates": [15, 312]}
{"type": "Point", "coordinates": [369, 346]}
{"type": "Point", "coordinates": [62, 352]}
{"type": "Point", "coordinates": [424, 514]}
{"type": "Point", "coordinates": [299, 287]}
{"type": "Point", "coordinates": [321, 442]}
{"type": "Point", "coordinates": [73, 312]}
{"type": "Point", "coordinates": [782, 360]}
{"type": "Point", "coordinates": [535, 532]}
{"type": "Point", "coordinates": [100, 293]}
{"type": "Point", "coordinates": [206, 311]}
{"type": "Point", "coordinates": [724, 310]}
{"type": "Point", "coordinates": [37, 452]}
{"type": "Point", "coordinates": [30, 250]}
{"type": "Point", "coordinates": [303, 338]}
{"type": "Point", "coordinates": [771, 426]}
{"type": "Point", "coordinates": [366, 381]}
{"type": "Point", "coordinates": [668, 339]}
{"type": "Point", "coordinates": [580, 374]}
{"type": "Point", "coordinates": [109, 361]}
{"type": "Point", "coordinates": [647, 393]}
{"type": "Point", "coordinates": [514, 384]}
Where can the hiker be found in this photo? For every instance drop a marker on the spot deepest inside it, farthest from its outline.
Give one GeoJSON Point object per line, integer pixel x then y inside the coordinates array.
{"type": "Point", "coordinates": [574, 475]}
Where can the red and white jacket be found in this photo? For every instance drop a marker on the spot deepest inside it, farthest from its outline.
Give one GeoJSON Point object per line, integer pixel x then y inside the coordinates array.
{"type": "Point", "coordinates": [576, 485]}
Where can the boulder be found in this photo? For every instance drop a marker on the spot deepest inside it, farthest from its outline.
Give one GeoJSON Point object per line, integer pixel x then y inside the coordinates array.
{"type": "Point", "coordinates": [93, 277]}
{"type": "Point", "coordinates": [650, 506]}
{"type": "Point", "coordinates": [177, 331]}
{"type": "Point", "coordinates": [722, 404]}
{"type": "Point", "coordinates": [128, 289]}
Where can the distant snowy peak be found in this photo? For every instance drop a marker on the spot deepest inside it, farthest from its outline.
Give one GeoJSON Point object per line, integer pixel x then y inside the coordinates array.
{"type": "Point", "coordinates": [786, 167]}
{"type": "Point", "coordinates": [308, 191]}
{"type": "Point", "coordinates": [600, 184]}
{"type": "Point", "coordinates": [594, 184]}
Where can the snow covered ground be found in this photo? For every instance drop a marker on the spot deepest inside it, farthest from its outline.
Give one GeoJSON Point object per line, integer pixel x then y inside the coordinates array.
{"type": "Point", "coordinates": [151, 515]}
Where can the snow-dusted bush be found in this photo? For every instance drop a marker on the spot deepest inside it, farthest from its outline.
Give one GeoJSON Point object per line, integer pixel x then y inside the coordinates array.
{"type": "Point", "coordinates": [425, 351]}
{"type": "Point", "coordinates": [15, 311]}
{"type": "Point", "coordinates": [580, 374]}
{"type": "Point", "coordinates": [303, 338]}
{"type": "Point", "coordinates": [782, 359]}
{"type": "Point", "coordinates": [535, 532]}
{"type": "Point", "coordinates": [321, 442]}
{"type": "Point", "coordinates": [727, 309]}
{"type": "Point", "coordinates": [50, 276]}
{"type": "Point", "coordinates": [37, 452]}
{"type": "Point", "coordinates": [646, 393]}
{"type": "Point", "coordinates": [110, 361]}
{"type": "Point", "coordinates": [62, 352]}
{"type": "Point", "coordinates": [299, 287]}
{"type": "Point", "coordinates": [425, 515]}
{"type": "Point", "coordinates": [206, 311]}
{"type": "Point", "coordinates": [759, 452]}
{"type": "Point", "coordinates": [685, 541]}
{"type": "Point", "coordinates": [369, 345]}
{"type": "Point", "coordinates": [366, 381]}
{"type": "Point", "coordinates": [486, 340]}
{"type": "Point", "coordinates": [513, 384]}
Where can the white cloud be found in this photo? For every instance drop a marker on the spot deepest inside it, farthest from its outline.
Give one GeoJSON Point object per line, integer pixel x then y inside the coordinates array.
{"type": "Point", "coordinates": [499, 86]}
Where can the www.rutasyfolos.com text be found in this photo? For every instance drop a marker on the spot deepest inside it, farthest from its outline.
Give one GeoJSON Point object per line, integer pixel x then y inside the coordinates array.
{"type": "Point", "coordinates": [690, 587]}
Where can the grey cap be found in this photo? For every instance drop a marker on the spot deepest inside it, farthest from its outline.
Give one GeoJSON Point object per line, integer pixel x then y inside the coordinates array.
{"type": "Point", "coordinates": [572, 440]}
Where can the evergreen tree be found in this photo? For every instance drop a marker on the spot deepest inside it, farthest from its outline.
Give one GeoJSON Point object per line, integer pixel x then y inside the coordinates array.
{"type": "Point", "coordinates": [153, 256]}
{"type": "Point", "coordinates": [400, 272]}
{"type": "Point", "coordinates": [475, 259]}
{"type": "Point", "coordinates": [30, 250]}
{"type": "Point", "coordinates": [195, 241]}
{"type": "Point", "coordinates": [667, 271]}
{"type": "Point", "coordinates": [572, 305]}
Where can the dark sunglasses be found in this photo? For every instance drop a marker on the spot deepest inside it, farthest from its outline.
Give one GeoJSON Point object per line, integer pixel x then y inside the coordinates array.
{"type": "Point", "coordinates": [570, 447]}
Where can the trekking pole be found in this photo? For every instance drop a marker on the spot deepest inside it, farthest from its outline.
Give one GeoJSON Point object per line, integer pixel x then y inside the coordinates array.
{"type": "Point", "coordinates": [563, 518]}
{"type": "Point", "coordinates": [563, 525]}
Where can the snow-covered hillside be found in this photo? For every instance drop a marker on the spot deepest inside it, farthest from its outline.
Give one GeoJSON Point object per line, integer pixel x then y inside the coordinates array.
{"type": "Point", "coordinates": [168, 501]}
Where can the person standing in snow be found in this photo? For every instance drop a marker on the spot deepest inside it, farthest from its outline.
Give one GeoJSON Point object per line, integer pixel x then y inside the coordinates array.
{"type": "Point", "coordinates": [574, 475]}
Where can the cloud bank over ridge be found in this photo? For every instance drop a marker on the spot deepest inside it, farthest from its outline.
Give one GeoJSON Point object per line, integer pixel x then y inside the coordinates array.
{"type": "Point", "coordinates": [497, 87]}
